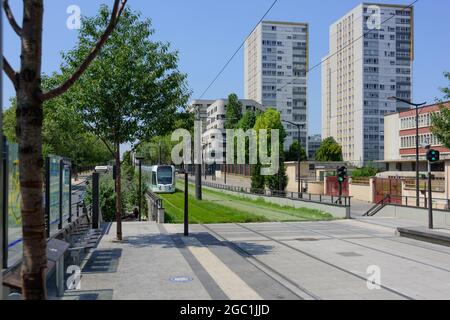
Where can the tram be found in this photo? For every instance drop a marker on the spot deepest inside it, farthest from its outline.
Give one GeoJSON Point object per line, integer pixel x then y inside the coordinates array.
{"type": "Point", "coordinates": [160, 178]}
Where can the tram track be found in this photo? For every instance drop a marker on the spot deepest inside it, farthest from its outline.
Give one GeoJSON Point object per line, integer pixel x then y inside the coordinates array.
{"type": "Point", "coordinates": [292, 286]}
{"type": "Point", "coordinates": [371, 248]}
{"type": "Point", "coordinates": [404, 296]}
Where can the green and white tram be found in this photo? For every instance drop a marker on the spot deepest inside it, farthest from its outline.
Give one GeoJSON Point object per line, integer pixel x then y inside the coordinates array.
{"type": "Point", "coordinates": [159, 179]}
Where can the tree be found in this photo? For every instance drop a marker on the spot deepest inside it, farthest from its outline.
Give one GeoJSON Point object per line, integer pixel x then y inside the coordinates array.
{"type": "Point", "coordinates": [279, 181]}
{"type": "Point", "coordinates": [233, 112]}
{"type": "Point", "coordinates": [329, 150]}
{"type": "Point", "coordinates": [271, 120]}
{"type": "Point", "coordinates": [63, 133]}
{"type": "Point", "coordinates": [132, 90]}
{"type": "Point", "coordinates": [257, 180]}
{"type": "Point", "coordinates": [292, 154]}
{"type": "Point", "coordinates": [157, 150]}
{"type": "Point", "coordinates": [441, 120]}
{"type": "Point", "coordinates": [369, 170]}
{"type": "Point", "coordinates": [30, 97]}
{"type": "Point", "coordinates": [247, 121]}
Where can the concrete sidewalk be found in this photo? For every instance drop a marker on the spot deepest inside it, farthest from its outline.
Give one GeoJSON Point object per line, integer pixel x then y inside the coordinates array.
{"type": "Point", "coordinates": [154, 262]}
{"type": "Point", "coordinates": [299, 260]}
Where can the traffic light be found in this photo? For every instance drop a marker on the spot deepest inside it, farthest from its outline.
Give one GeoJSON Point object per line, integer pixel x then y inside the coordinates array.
{"type": "Point", "coordinates": [341, 174]}
{"type": "Point", "coordinates": [433, 156]}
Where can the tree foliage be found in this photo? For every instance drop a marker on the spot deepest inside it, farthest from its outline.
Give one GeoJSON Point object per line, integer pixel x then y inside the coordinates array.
{"type": "Point", "coordinates": [233, 111]}
{"type": "Point", "coordinates": [156, 149]}
{"type": "Point", "coordinates": [270, 120]}
{"type": "Point", "coordinates": [63, 133]}
{"type": "Point", "coordinates": [370, 170]}
{"type": "Point", "coordinates": [131, 92]}
{"type": "Point", "coordinates": [247, 121]}
{"type": "Point", "coordinates": [292, 154]}
{"type": "Point", "coordinates": [441, 120]}
{"type": "Point", "coordinates": [329, 150]}
{"type": "Point", "coordinates": [133, 89]}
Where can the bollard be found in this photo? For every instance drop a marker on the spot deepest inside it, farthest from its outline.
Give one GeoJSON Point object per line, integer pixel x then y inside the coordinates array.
{"type": "Point", "coordinates": [186, 205]}
{"type": "Point", "coordinates": [161, 215]}
{"type": "Point", "coordinates": [95, 200]}
{"type": "Point", "coordinates": [347, 213]}
{"type": "Point", "coordinates": [60, 276]}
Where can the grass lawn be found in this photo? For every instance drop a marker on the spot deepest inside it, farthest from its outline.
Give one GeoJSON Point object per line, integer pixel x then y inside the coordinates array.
{"type": "Point", "coordinates": [204, 211]}
{"type": "Point", "coordinates": [260, 203]}
{"type": "Point", "coordinates": [220, 207]}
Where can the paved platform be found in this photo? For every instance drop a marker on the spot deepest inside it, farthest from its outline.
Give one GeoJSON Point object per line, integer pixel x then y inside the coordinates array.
{"type": "Point", "coordinates": [299, 260]}
{"type": "Point", "coordinates": [438, 236]}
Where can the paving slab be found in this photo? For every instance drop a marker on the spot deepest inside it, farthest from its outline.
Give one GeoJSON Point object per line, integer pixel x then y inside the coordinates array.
{"type": "Point", "coordinates": [298, 260]}
{"type": "Point", "coordinates": [146, 269]}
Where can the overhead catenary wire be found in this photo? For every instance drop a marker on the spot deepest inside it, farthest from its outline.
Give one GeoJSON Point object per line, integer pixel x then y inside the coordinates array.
{"type": "Point", "coordinates": [236, 52]}
{"type": "Point", "coordinates": [351, 43]}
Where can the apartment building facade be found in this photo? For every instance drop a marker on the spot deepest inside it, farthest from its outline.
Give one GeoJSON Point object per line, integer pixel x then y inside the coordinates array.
{"type": "Point", "coordinates": [201, 106]}
{"type": "Point", "coordinates": [215, 123]}
{"type": "Point", "coordinates": [275, 72]}
{"type": "Point", "coordinates": [370, 60]}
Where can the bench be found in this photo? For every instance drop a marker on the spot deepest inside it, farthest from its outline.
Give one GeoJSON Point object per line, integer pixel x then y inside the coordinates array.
{"type": "Point", "coordinates": [56, 249]}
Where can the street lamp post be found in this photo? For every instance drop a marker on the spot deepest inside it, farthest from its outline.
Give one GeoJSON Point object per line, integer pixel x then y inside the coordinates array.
{"type": "Point", "coordinates": [159, 153]}
{"type": "Point", "coordinates": [198, 166]}
{"type": "Point", "coordinates": [417, 106]}
{"type": "Point", "coordinates": [299, 126]}
{"type": "Point", "coordinates": [139, 159]}
{"type": "Point", "coordinates": [205, 158]}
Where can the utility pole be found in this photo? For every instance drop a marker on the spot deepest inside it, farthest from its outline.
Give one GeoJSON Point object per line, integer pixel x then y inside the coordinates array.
{"type": "Point", "coordinates": [417, 106]}
{"type": "Point", "coordinates": [139, 159]}
{"type": "Point", "coordinates": [205, 168]}
{"type": "Point", "coordinates": [432, 157]}
{"type": "Point", "coordinates": [430, 198]}
{"type": "Point", "coordinates": [186, 204]}
{"type": "Point", "coordinates": [299, 186]}
{"type": "Point", "coordinates": [198, 165]}
{"type": "Point", "coordinates": [2, 222]}
{"type": "Point", "coordinates": [299, 156]}
{"type": "Point", "coordinates": [225, 171]}
{"type": "Point", "coordinates": [341, 176]}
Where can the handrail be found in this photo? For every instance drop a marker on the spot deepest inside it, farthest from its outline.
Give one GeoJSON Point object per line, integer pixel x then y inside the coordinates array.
{"type": "Point", "coordinates": [156, 204]}
{"type": "Point", "coordinates": [378, 206]}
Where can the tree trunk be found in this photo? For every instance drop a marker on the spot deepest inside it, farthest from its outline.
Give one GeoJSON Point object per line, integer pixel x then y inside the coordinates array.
{"type": "Point", "coordinates": [118, 195]}
{"type": "Point", "coordinates": [29, 128]}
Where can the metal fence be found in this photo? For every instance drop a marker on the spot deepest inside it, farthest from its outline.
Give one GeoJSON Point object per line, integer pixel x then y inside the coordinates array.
{"type": "Point", "coordinates": [155, 205]}
{"type": "Point", "coordinates": [437, 203]}
{"type": "Point", "coordinates": [437, 184]}
{"type": "Point", "coordinates": [343, 201]}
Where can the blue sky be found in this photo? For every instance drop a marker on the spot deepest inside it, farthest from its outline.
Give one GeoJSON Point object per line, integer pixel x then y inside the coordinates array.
{"type": "Point", "coordinates": [207, 32]}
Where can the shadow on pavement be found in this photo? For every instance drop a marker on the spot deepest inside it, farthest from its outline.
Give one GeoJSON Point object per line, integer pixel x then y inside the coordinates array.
{"type": "Point", "coordinates": [89, 295]}
{"type": "Point", "coordinates": [103, 261]}
{"type": "Point", "coordinates": [204, 240]}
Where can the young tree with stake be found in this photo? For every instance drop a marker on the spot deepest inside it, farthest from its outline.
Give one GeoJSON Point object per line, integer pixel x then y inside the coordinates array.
{"type": "Point", "coordinates": [30, 98]}
{"type": "Point", "coordinates": [132, 91]}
